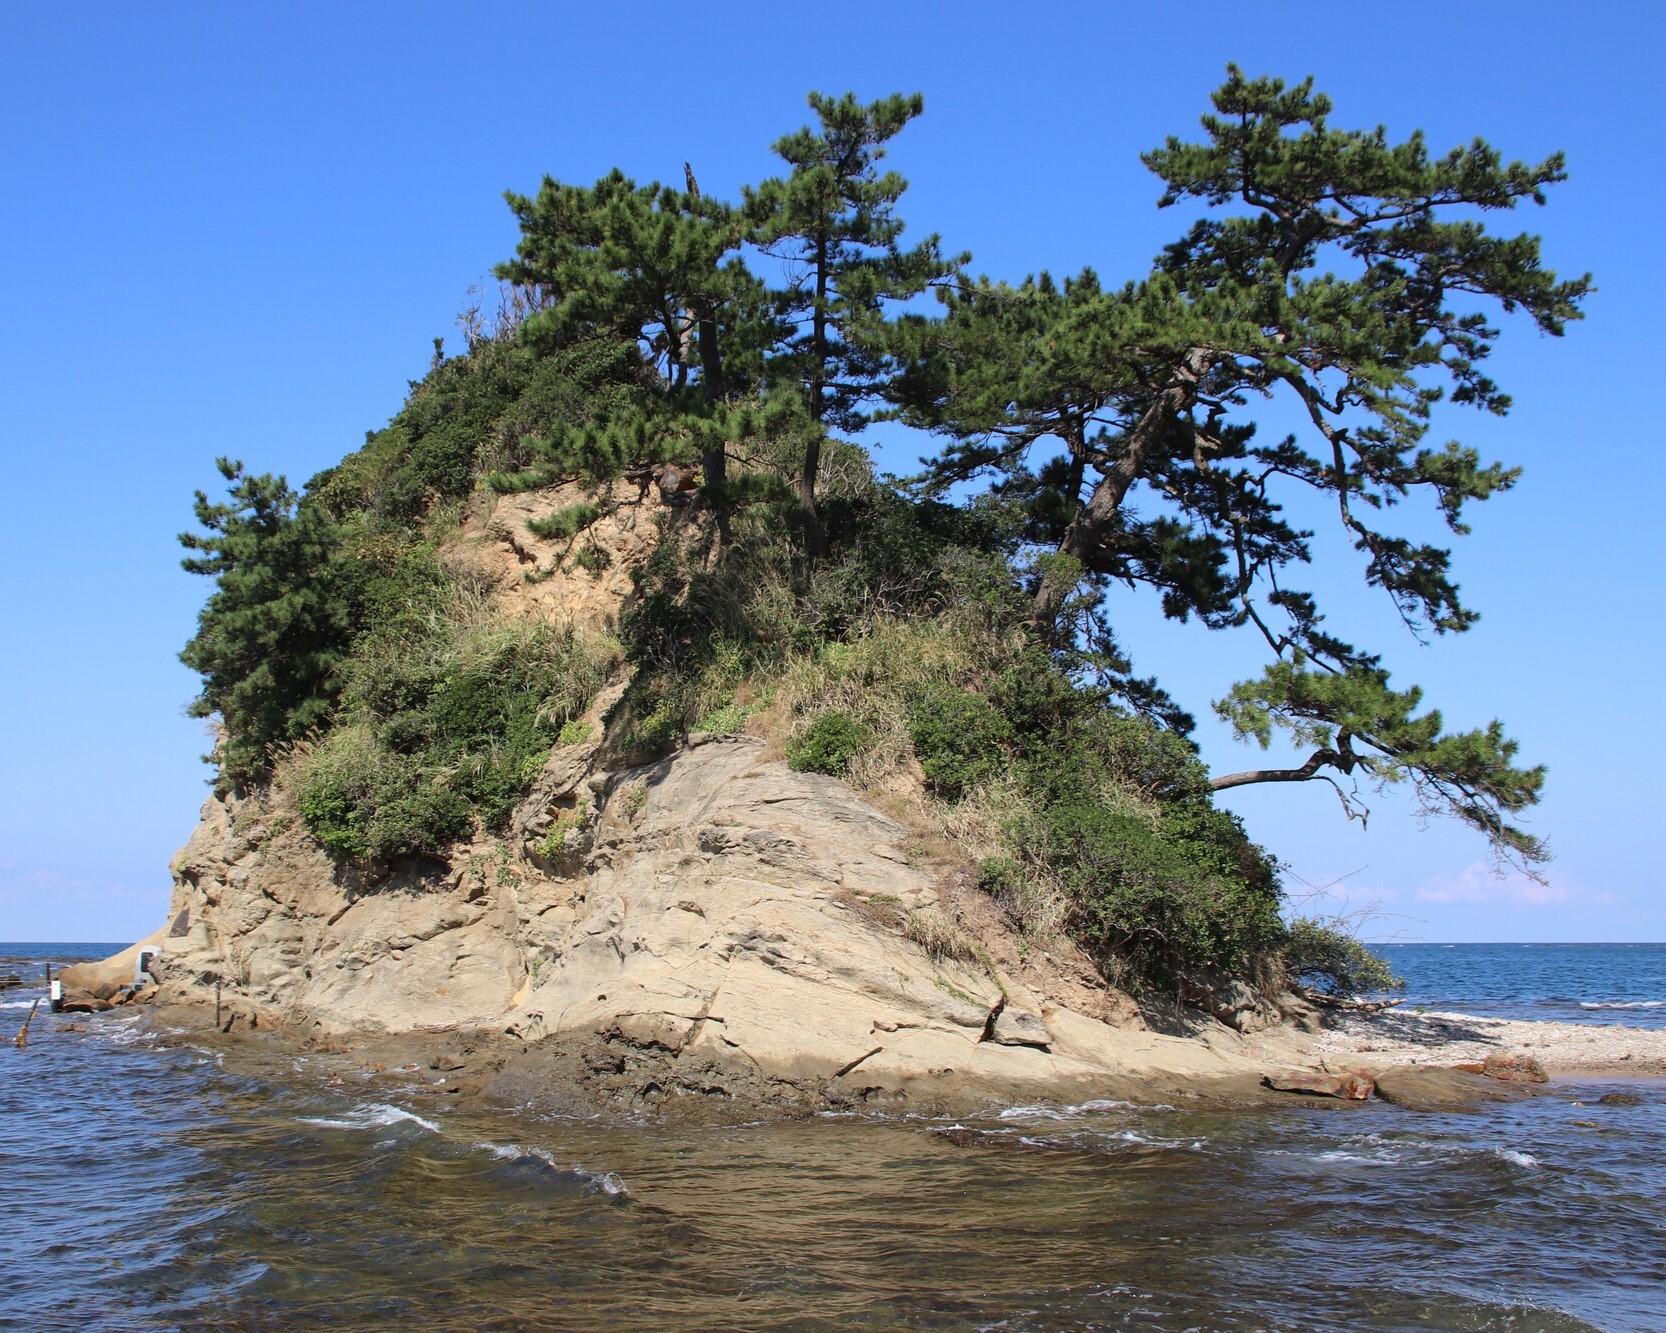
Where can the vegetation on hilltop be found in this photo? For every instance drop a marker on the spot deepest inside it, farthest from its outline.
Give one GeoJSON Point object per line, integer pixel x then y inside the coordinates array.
{"type": "Point", "coordinates": [955, 626]}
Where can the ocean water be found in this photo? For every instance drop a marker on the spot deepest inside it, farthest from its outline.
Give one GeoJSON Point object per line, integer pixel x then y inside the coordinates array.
{"type": "Point", "coordinates": [150, 1185]}
{"type": "Point", "coordinates": [1568, 983]}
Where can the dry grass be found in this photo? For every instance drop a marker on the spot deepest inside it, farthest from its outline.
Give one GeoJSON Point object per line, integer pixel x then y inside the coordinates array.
{"type": "Point", "coordinates": [942, 940]}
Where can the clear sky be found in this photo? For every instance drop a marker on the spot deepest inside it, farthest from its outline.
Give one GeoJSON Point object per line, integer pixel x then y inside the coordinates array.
{"type": "Point", "coordinates": [236, 229]}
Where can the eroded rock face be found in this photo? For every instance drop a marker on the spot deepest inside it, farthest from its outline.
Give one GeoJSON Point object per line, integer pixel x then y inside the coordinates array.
{"type": "Point", "coordinates": [544, 575]}
{"type": "Point", "coordinates": [712, 926]}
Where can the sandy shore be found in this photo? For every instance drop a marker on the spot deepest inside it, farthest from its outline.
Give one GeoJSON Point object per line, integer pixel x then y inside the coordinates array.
{"type": "Point", "coordinates": [1398, 1036]}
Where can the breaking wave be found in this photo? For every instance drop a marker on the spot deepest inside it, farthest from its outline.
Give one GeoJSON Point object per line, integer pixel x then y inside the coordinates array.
{"type": "Point", "coordinates": [607, 1182]}
{"type": "Point", "coordinates": [376, 1115]}
{"type": "Point", "coordinates": [1622, 1004]}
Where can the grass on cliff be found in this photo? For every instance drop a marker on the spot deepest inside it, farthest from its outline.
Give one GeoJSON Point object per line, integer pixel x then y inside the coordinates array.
{"type": "Point", "coordinates": [446, 718]}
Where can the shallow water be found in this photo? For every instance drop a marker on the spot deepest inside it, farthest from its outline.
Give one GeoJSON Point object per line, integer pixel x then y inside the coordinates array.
{"type": "Point", "coordinates": [150, 1186]}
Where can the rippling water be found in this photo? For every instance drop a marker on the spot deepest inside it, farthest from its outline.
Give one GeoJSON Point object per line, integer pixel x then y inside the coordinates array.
{"type": "Point", "coordinates": [150, 1186]}
{"type": "Point", "coordinates": [1568, 983]}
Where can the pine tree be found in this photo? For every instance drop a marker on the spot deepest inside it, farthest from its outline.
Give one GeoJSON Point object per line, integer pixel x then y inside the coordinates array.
{"type": "Point", "coordinates": [270, 637]}
{"type": "Point", "coordinates": [655, 265]}
{"type": "Point", "coordinates": [832, 223]}
{"type": "Point", "coordinates": [1340, 271]}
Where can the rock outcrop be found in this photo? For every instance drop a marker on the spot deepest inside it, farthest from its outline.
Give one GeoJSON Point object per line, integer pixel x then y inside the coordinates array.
{"type": "Point", "coordinates": [713, 925]}
{"type": "Point", "coordinates": [712, 928]}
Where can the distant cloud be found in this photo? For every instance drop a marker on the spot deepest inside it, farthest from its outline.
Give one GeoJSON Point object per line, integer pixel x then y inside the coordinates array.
{"type": "Point", "coordinates": [49, 903]}
{"type": "Point", "coordinates": [35, 884]}
{"type": "Point", "coordinates": [1478, 883]}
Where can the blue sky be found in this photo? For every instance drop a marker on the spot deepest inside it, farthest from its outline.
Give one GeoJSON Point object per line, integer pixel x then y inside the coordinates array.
{"type": "Point", "coordinates": [236, 229]}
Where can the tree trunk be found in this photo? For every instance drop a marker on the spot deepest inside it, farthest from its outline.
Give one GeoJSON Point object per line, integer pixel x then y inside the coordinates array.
{"type": "Point", "coordinates": [1093, 521]}
{"type": "Point", "coordinates": [1319, 759]}
{"type": "Point", "coordinates": [1342, 757]}
{"type": "Point", "coordinates": [815, 535]}
{"type": "Point", "coordinates": [713, 461]}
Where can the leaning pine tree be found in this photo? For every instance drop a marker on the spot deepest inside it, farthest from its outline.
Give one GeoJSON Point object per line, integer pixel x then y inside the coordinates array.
{"type": "Point", "coordinates": [1344, 273]}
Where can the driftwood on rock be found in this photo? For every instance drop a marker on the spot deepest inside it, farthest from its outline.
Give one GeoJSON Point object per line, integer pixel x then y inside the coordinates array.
{"type": "Point", "coordinates": [1343, 1002]}
{"type": "Point", "coordinates": [22, 1038]}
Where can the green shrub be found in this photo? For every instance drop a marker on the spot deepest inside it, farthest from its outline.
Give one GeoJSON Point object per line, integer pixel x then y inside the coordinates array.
{"type": "Point", "coordinates": [564, 523]}
{"type": "Point", "coordinates": [449, 720]}
{"type": "Point", "coordinates": [593, 560]}
{"type": "Point", "coordinates": [1152, 898]}
{"type": "Point", "coordinates": [500, 706]}
{"type": "Point", "coordinates": [364, 802]}
{"type": "Point", "coordinates": [958, 737]}
{"type": "Point", "coordinates": [1157, 885]}
{"type": "Point", "coordinates": [661, 726]}
{"type": "Point", "coordinates": [829, 744]}
{"type": "Point", "coordinates": [574, 731]}
{"type": "Point", "coordinates": [1326, 957]}
{"type": "Point", "coordinates": [1155, 762]}
{"type": "Point", "coordinates": [451, 414]}
{"type": "Point", "coordinates": [560, 833]}
{"type": "Point", "coordinates": [729, 716]}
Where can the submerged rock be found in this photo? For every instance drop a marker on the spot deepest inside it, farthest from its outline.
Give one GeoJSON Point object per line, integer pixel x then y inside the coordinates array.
{"type": "Point", "coordinates": [84, 1002]}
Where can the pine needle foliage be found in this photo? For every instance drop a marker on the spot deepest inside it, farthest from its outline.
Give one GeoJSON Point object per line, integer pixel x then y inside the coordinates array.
{"type": "Point", "coordinates": [566, 523]}
{"type": "Point", "coordinates": [1351, 276]}
{"type": "Point", "coordinates": [270, 640]}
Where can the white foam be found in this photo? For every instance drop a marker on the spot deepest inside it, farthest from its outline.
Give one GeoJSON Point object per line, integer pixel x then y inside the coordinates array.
{"type": "Point", "coordinates": [1622, 1004]}
{"type": "Point", "coordinates": [1092, 1140]}
{"type": "Point", "coordinates": [1515, 1158]}
{"type": "Point", "coordinates": [373, 1116]}
{"type": "Point", "coordinates": [1049, 1112]}
{"type": "Point", "coordinates": [128, 1034]}
{"type": "Point", "coordinates": [1146, 1141]}
{"type": "Point", "coordinates": [606, 1181]}
{"type": "Point", "coordinates": [18, 1004]}
{"type": "Point", "coordinates": [510, 1151]}
{"type": "Point", "coordinates": [1357, 1159]}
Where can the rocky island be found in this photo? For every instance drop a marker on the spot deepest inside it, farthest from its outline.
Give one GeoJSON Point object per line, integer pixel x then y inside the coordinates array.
{"type": "Point", "coordinates": [609, 727]}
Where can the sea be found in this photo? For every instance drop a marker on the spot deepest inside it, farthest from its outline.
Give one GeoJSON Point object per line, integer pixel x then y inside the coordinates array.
{"type": "Point", "coordinates": [157, 1181]}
